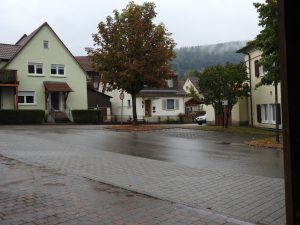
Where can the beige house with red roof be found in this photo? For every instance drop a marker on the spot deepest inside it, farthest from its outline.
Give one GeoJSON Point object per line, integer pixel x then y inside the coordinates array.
{"type": "Point", "coordinates": [39, 72]}
{"type": "Point", "coordinates": [193, 105]}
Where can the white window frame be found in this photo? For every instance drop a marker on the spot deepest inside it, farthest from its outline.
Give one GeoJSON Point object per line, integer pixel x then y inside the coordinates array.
{"type": "Point", "coordinates": [261, 72]}
{"type": "Point", "coordinates": [272, 112]}
{"type": "Point", "coordinates": [165, 104]}
{"type": "Point", "coordinates": [45, 44]}
{"type": "Point", "coordinates": [57, 66]}
{"type": "Point", "coordinates": [25, 94]}
{"type": "Point", "coordinates": [264, 113]}
{"type": "Point", "coordinates": [35, 65]}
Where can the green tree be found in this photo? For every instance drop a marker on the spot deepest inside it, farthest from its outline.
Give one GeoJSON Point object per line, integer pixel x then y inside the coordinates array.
{"type": "Point", "coordinates": [227, 82]}
{"type": "Point", "coordinates": [192, 92]}
{"type": "Point", "coordinates": [268, 42]}
{"type": "Point", "coordinates": [133, 51]}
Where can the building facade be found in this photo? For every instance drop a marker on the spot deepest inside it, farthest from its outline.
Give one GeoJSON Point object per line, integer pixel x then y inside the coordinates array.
{"type": "Point", "coordinates": [261, 103]}
{"type": "Point", "coordinates": [44, 75]}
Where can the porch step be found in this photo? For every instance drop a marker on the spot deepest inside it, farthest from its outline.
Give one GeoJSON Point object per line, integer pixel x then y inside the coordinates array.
{"type": "Point", "coordinates": [61, 117]}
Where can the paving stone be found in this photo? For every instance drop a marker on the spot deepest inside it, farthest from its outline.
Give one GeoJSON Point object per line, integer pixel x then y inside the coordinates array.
{"type": "Point", "coordinates": [222, 192]}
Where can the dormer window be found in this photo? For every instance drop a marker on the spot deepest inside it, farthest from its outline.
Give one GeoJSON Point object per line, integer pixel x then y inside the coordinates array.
{"type": "Point", "coordinates": [169, 83]}
{"type": "Point", "coordinates": [46, 44]}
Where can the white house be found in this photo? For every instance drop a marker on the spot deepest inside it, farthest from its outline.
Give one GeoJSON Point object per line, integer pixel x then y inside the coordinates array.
{"type": "Point", "coordinates": [192, 105]}
{"type": "Point", "coordinates": [261, 103]}
{"type": "Point", "coordinates": [152, 104]}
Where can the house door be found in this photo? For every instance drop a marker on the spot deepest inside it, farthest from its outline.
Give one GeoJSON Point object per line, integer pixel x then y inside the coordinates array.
{"type": "Point", "coordinates": [147, 107]}
{"type": "Point", "coordinates": [55, 100]}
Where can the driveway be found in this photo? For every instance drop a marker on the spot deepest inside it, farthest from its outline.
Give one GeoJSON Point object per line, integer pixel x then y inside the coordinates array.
{"type": "Point", "coordinates": [231, 179]}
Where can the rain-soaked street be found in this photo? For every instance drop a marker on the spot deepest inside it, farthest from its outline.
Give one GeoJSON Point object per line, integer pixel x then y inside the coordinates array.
{"type": "Point", "coordinates": [210, 171]}
{"type": "Point", "coordinates": [184, 146]}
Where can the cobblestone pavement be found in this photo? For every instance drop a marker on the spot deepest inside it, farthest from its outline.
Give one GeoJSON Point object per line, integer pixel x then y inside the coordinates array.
{"type": "Point", "coordinates": [217, 137]}
{"type": "Point", "coordinates": [31, 195]}
{"type": "Point", "coordinates": [249, 198]}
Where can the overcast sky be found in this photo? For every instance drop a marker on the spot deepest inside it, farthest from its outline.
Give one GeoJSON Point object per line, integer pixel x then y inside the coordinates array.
{"type": "Point", "coordinates": [191, 22]}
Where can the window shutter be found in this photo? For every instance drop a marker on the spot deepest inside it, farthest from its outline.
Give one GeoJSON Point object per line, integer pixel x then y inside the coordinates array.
{"type": "Point", "coordinates": [164, 104]}
{"type": "Point", "coordinates": [278, 114]}
{"type": "Point", "coordinates": [176, 103]}
{"type": "Point", "coordinates": [258, 113]}
{"type": "Point", "coordinates": [256, 66]}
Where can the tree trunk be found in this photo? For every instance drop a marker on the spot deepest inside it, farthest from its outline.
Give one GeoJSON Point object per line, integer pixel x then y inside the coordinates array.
{"type": "Point", "coordinates": [134, 121]}
{"type": "Point", "coordinates": [276, 112]}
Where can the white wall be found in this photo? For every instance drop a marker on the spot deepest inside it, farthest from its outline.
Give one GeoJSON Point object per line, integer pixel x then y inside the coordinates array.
{"type": "Point", "coordinates": [261, 95]}
{"type": "Point", "coordinates": [155, 102]}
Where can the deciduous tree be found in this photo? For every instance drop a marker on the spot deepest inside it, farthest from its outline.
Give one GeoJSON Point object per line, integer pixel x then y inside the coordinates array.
{"type": "Point", "coordinates": [267, 41]}
{"type": "Point", "coordinates": [227, 82]}
{"type": "Point", "coordinates": [133, 51]}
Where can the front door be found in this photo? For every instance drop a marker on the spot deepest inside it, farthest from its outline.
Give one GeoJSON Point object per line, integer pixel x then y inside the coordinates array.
{"type": "Point", "coordinates": [147, 107]}
{"type": "Point", "coordinates": [55, 100]}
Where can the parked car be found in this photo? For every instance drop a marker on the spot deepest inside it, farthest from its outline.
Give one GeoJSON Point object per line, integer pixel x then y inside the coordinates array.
{"type": "Point", "coordinates": [201, 119]}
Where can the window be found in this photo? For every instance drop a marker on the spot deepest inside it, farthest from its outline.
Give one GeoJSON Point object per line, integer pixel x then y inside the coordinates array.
{"type": "Point", "coordinates": [268, 113]}
{"type": "Point", "coordinates": [46, 44]}
{"type": "Point", "coordinates": [259, 70]}
{"type": "Point", "coordinates": [129, 103]}
{"type": "Point", "coordinates": [35, 68]}
{"type": "Point", "coordinates": [264, 113]}
{"type": "Point", "coordinates": [169, 83]}
{"type": "Point", "coordinates": [26, 97]}
{"type": "Point", "coordinates": [272, 109]}
{"type": "Point", "coordinates": [170, 104]}
{"type": "Point", "coordinates": [58, 69]}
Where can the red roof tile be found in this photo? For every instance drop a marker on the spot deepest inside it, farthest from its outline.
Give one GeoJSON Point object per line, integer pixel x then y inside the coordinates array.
{"type": "Point", "coordinates": [7, 51]}
{"type": "Point", "coordinates": [85, 62]}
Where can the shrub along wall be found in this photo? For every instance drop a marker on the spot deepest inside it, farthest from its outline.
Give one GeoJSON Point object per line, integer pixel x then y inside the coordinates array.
{"type": "Point", "coordinates": [21, 116]}
{"type": "Point", "coordinates": [86, 116]}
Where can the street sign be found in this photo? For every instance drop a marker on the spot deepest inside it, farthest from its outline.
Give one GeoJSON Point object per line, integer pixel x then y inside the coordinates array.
{"type": "Point", "coordinates": [224, 102]}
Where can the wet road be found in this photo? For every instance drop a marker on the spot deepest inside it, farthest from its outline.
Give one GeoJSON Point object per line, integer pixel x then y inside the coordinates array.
{"type": "Point", "coordinates": [200, 152]}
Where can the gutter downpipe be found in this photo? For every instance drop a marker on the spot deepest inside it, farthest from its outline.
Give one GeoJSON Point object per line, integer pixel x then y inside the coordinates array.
{"type": "Point", "coordinates": [250, 84]}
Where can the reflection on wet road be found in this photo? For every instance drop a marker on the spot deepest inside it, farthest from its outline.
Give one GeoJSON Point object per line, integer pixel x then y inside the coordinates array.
{"type": "Point", "coordinates": [202, 152]}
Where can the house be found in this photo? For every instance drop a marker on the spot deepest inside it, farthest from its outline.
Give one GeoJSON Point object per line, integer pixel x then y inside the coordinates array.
{"type": "Point", "coordinates": [259, 108]}
{"type": "Point", "coordinates": [39, 72]}
{"type": "Point", "coordinates": [193, 105]}
{"type": "Point", "coordinates": [261, 103]}
{"type": "Point", "coordinates": [152, 104]}
{"type": "Point", "coordinates": [95, 90]}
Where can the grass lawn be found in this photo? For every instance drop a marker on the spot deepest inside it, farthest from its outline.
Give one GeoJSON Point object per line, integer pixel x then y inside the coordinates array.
{"type": "Point", "coordinates": [268, 142]}
{"type": "Point", "coordinates": [234, 130]}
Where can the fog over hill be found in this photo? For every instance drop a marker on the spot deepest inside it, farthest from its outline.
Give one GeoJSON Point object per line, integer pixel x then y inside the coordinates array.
{"type": "Point", "coordinates": [202, 56]}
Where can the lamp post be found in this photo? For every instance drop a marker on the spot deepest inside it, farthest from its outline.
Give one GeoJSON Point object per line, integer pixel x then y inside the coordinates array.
{"type": "Point", "coordinates": [122, 98]}
{"type": "Point", "coordinates": [224, 104]}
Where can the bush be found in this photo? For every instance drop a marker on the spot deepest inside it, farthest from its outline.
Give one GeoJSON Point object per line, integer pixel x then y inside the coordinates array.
{"type": "Point", "coordinates": [86, 116]}
{"type": "Point", "coordinates": [21, 116]}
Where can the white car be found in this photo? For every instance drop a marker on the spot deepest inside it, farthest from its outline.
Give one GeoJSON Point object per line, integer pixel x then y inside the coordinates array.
{"type": "Point", "coordinates": [201, 119]}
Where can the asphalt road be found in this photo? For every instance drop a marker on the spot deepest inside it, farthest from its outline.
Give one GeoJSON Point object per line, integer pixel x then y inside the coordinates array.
{"type": "Point", "coordinates": [181, 146]}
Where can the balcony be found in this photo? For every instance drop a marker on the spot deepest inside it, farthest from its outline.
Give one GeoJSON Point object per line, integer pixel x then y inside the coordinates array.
{"type": "Point", "coordinates": [8, 78]}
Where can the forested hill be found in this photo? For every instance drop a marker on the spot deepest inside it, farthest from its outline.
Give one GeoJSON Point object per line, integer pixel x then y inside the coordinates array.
{"type": "Point", "coordinates": [200, 57]}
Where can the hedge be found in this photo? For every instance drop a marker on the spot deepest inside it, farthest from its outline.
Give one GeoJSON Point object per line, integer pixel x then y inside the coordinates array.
{"type": "Point", "coordinates": [21, 116]}
{"type": "Point", "coordinates": [86, 116]}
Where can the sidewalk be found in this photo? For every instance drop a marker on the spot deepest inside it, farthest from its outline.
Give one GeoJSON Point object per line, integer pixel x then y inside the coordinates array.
{"type": "Point", "coordinates": [255, 199]}
{"type": "Point", "coordinates": [31, 195]}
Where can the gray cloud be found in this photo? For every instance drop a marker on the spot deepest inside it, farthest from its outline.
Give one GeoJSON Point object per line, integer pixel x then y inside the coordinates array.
{"type": "Point", "coordinates": [192, 22]}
